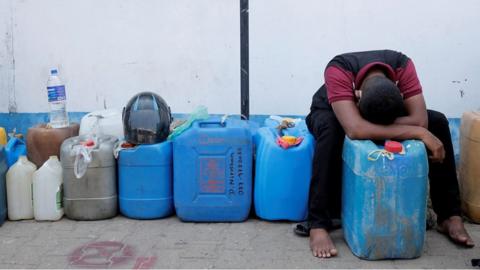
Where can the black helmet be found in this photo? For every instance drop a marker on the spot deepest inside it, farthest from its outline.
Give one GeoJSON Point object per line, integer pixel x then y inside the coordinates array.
{"type": "Point", "coordinates": [146, 119]}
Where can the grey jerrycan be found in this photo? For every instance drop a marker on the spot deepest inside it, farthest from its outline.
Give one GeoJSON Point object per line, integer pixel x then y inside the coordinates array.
{"type": "Point", "coordinates": [89, 177]}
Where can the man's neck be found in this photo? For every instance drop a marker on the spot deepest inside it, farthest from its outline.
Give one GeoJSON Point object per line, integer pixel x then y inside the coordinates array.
{"type": "Point", "coordinates": [372, 73]}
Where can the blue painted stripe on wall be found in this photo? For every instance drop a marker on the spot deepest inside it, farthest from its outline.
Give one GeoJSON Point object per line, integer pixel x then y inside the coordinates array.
{"type": "Point", "coordinates": [22, 121]}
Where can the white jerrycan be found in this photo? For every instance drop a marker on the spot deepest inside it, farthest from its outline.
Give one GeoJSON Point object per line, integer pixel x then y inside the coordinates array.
{"type": "Point", "coordinates": [48, 191]}
{"type": "Point", "coordinates": [19, 189]}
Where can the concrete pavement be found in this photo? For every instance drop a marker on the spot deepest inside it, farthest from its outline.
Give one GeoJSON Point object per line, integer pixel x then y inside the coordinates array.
{"type": "Point", "coordinates": [169, 243]}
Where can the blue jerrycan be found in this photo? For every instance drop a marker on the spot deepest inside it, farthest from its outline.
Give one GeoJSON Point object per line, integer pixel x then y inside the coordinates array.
{"type": "Point", "coordinates": [3, 195]}
{"type": "Point", "coordinates": [146, 181]}
{"type": "Point", "coordinates": [212, 164]}
{"type": "Point", "coordinates": [14, 149]}
{"type": "Point", "coordinates": [384, 199]}
{"type": "Point", "coordinates": [282, 176]}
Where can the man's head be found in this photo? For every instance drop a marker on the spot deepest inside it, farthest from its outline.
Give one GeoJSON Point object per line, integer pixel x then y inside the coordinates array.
{"type": "Point", "coordinates": [381, 101]}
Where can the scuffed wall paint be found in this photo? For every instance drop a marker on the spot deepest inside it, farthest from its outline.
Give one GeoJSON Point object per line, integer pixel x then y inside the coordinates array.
{"type": "Point", "coordinates": [7, 75]}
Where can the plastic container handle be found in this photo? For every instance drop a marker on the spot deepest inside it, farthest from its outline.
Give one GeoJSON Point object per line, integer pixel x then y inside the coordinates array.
{"type": "Point", "coordinates": [15, 142]}
{"type": "Point", "coordinates": [208, 124]}
{"type": "Point", "coordinates": [82, 160]}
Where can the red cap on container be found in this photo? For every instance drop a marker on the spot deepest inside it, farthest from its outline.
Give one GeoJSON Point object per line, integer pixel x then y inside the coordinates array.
{"type": "Point", "coordinates": [393, 146]}
{"type": "Point", "coordinates": [127, 145]}
{"type": "Point", "coordinates": [88, 143]}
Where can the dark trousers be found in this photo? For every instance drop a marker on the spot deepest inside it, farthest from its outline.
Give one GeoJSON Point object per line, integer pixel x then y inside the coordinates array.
{"type": "Point", "coordinates": [326, 183]}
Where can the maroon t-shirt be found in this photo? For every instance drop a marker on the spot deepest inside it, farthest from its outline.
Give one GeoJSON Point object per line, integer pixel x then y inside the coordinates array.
{"type": "Point", "coordinates": [345, 73]}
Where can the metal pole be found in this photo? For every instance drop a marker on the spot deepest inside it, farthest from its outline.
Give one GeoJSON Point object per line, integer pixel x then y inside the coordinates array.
{"type": "Point", "coordinates": [244, 82]}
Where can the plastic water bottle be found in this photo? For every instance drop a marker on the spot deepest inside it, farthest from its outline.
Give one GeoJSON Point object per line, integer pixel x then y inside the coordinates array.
{"type": "Point", "coordinates": [57, 100]}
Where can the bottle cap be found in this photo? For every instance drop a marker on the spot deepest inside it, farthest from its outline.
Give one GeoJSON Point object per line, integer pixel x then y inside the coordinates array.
{"type": "Point", "coordinates": [88, 143]}
{"type": "Point", "coordinates": [54, 71]}
{"type": "Point", "coordinates": [127, 145]}
{"type": "Point", "coordinates": [393, 146]}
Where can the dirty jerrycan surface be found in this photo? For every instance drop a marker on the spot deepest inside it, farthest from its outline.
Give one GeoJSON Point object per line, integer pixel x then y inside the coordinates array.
{"type": "Point", "coordinates": [282, 176]}
{"type": "Point", "coordinates": [19, 189]}
{"type": "Point", "coordinates": [146, 181]}
{"type": "Point", "coordinates": [469, 181]}
{"type": "Point", "coordinates": [213, 171]}
{"type": "Point", "coordinates": [3, 195]}
{"type": "Point", "coordinates": [43, 142]}
{"type": "Point", "coordinates": [93, 196]}
{"type": "Point", "coordinates": [384, 200]}
{"type": "Point", "coordinates": [47, 191]}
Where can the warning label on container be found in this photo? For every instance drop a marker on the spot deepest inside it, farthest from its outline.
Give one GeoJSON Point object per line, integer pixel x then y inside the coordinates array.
{"type": "Point", "coordinates": [223, 174]}
{"type": "Point", "coordinates": [212, 175]}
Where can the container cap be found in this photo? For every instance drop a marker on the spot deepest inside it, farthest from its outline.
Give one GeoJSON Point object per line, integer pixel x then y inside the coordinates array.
{"type": "Point", "coordinates": [54, 71]}
{"type": "Point", "coordinates": [393, 147]}
{"type": "Point", "coordinates": [88, 143]}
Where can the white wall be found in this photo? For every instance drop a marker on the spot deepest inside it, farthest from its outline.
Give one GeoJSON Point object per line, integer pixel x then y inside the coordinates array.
{"type": "Point", "coordinates": [106, 51]}
{"type": "Point", "coordinates": [188, 51]}
{"type": "Point", "coordinates": [292, 41]}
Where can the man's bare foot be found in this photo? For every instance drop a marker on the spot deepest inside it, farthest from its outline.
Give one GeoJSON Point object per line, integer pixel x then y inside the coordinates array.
{"type": "Point", "coordinates": [321, 244]}
{"type": "Point", "coordinates": [454, 229]}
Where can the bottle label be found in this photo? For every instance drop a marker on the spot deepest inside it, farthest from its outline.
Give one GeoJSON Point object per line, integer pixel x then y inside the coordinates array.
{"type": "Point", "coordinates": [56, 93]}
{"type": "Point", "coordinates": [59, 197]}
{"type": "Point", "coordinates": [31, 191]}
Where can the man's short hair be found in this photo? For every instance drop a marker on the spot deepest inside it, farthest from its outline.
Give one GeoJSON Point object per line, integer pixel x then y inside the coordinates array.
{"type": "Point", "coordinates": [381, 101]}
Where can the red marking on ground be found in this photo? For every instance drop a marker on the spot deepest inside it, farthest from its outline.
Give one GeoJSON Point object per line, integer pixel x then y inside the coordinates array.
{"type": "Point", "coordinates": [101, 255]}
{"type": "Point", "coordinates": [145, 262]}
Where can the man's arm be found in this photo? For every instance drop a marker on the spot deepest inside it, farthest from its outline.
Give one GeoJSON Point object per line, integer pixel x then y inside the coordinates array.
{"type": "Point", "coordinates": [416, 112]}
{"type": "Point", "coordinates": [358, 128]}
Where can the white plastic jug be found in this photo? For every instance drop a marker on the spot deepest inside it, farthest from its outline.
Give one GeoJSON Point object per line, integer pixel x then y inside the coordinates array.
{"type": "Point", "coordinates": [48, 191]}
{"type": "Point", "coordinates": [19, 189]}
{"type": "Point", "coordinates": [105, 122]}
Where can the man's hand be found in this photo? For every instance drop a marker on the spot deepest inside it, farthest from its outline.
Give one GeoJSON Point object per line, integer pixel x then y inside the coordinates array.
{"type": "Point", "coordinates": [434, 145]}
